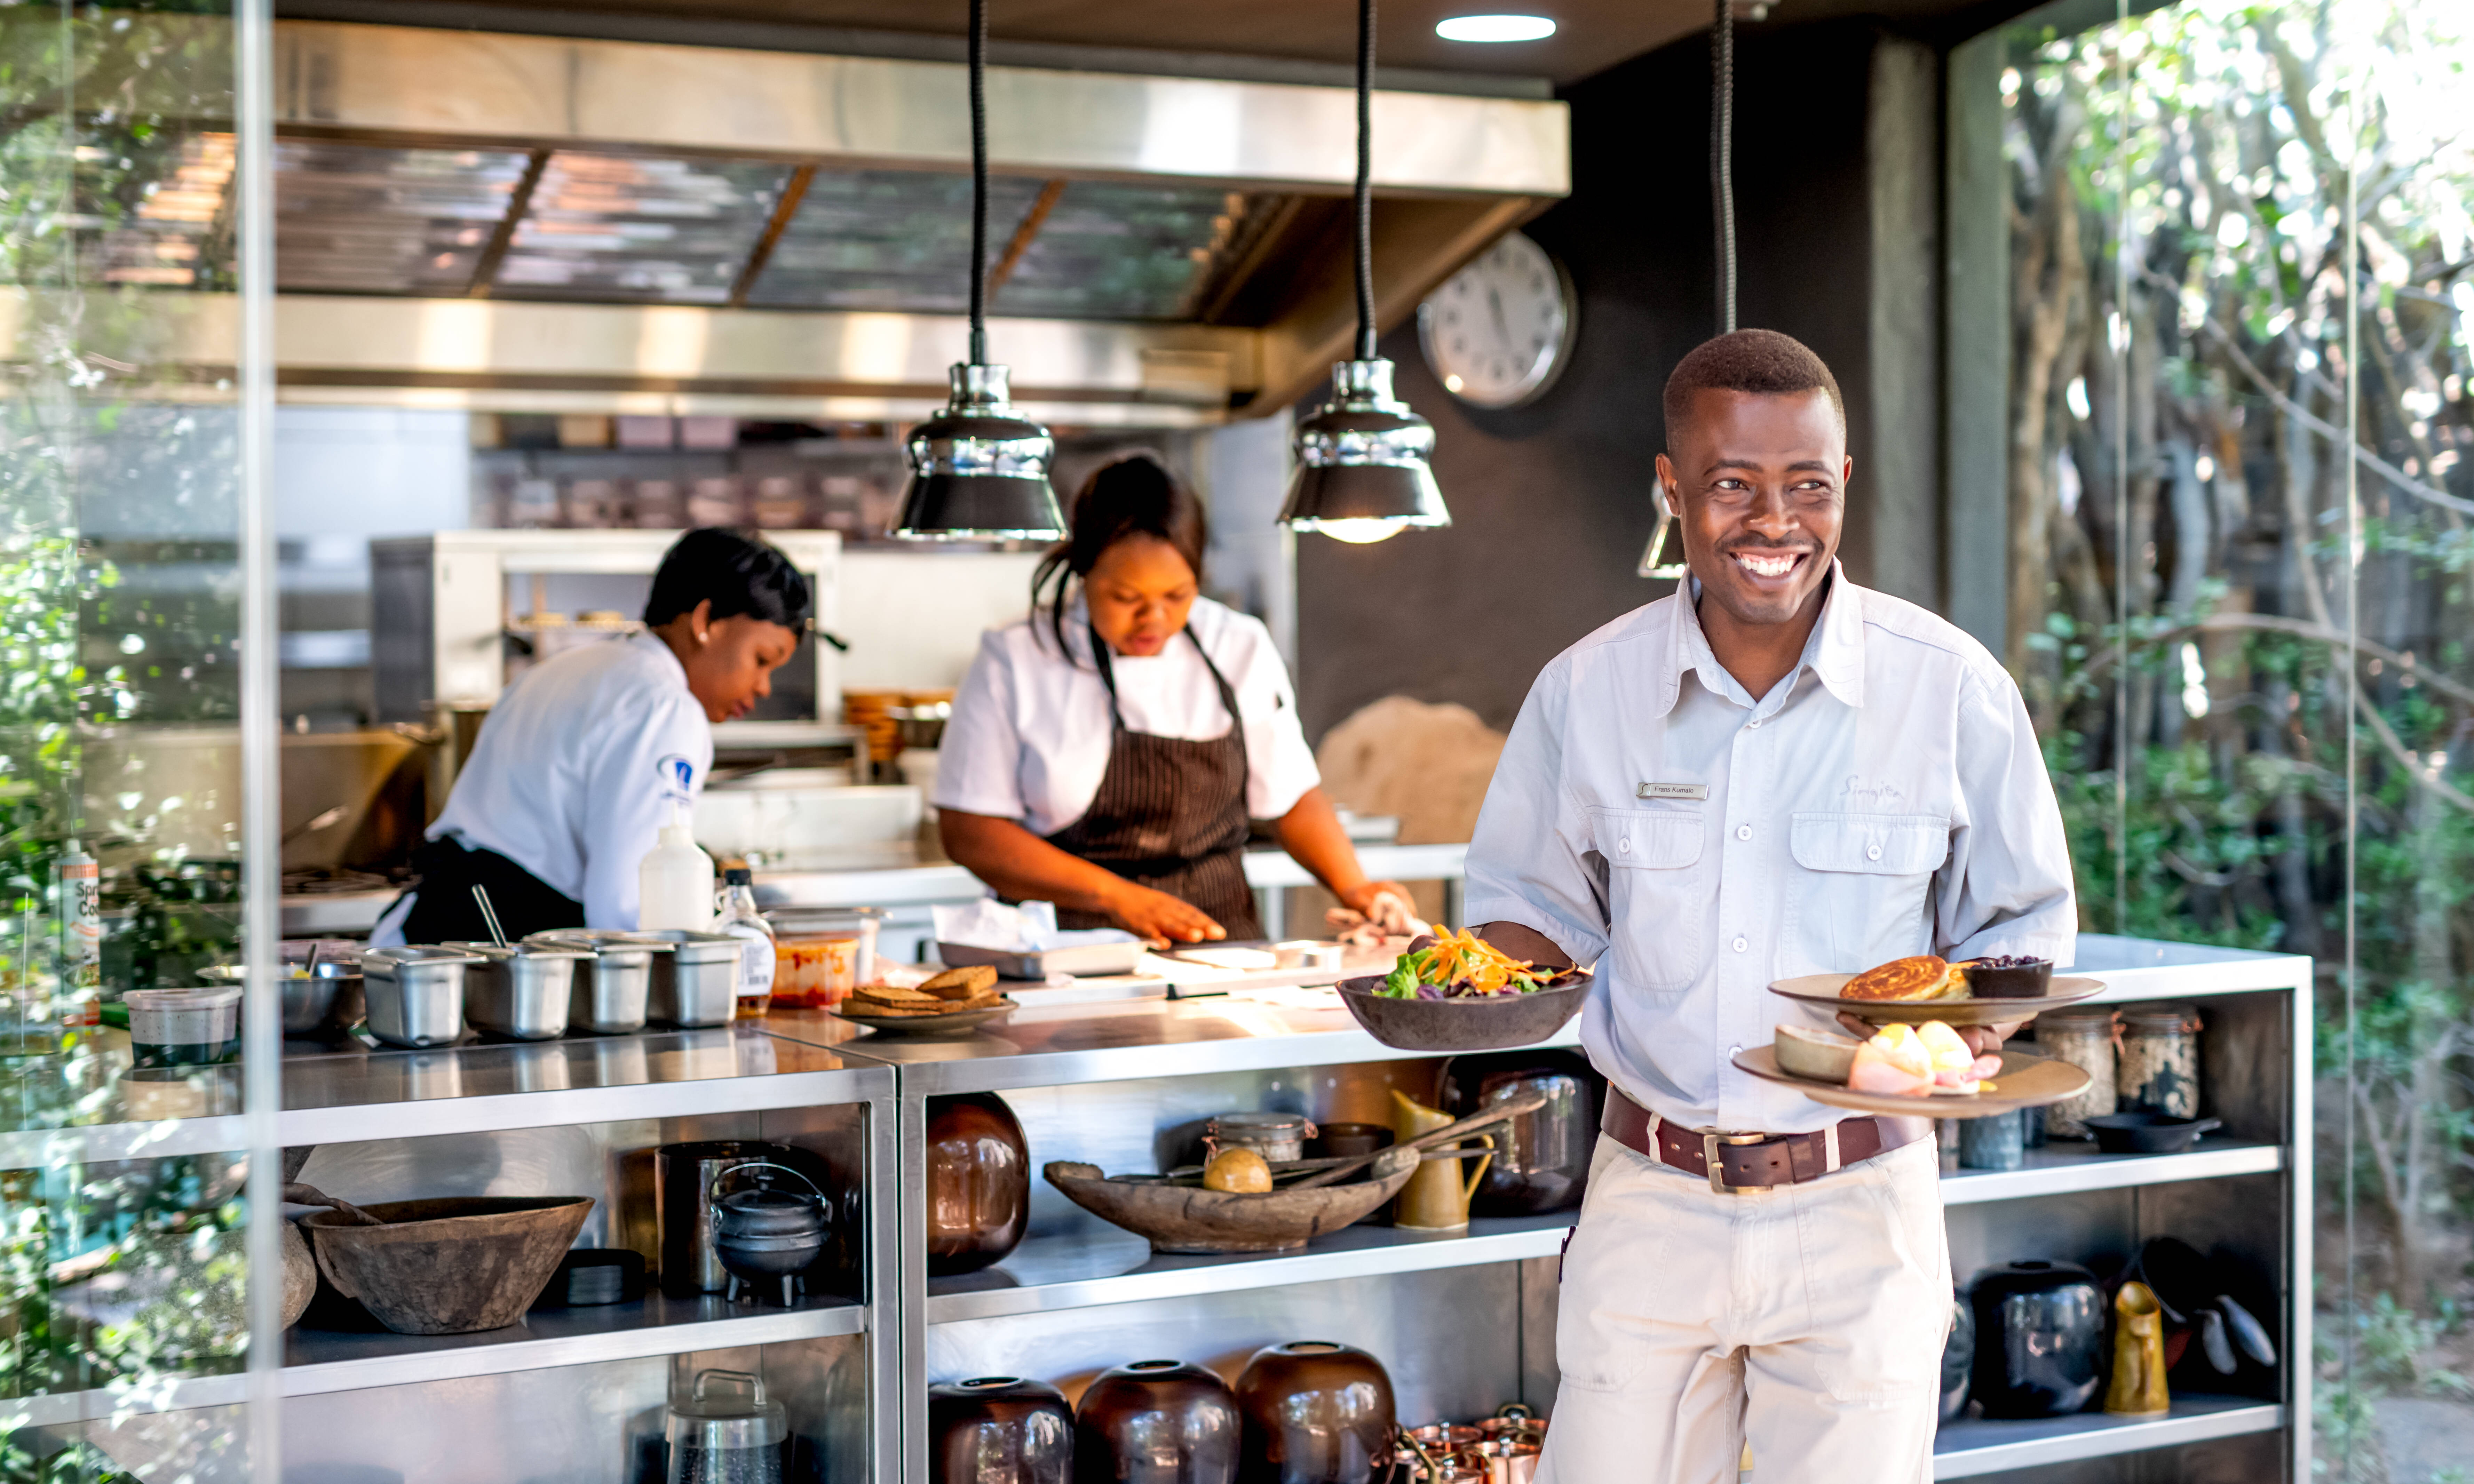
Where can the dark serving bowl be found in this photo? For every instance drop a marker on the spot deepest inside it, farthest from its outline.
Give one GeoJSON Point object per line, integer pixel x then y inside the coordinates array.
{"type": "Point", "coordinates": [2148, 1132]}
{"type": "Point", "coordinates": [2024, 981]}
{"type": "Point", "coordinates": [1495, 1022]}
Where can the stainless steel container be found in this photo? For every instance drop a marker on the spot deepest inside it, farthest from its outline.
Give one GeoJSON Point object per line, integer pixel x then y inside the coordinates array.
{"type": "Point", "coordinates": [320, 1005]}
{"type": "Point", "coordinates": [416, 993]}
{"type": "Point", "coordinates": [614, 987]}
{"type": "Point", "coordinates": [697, 983]}
{"type": "Point", "coordinates": [519, 991]}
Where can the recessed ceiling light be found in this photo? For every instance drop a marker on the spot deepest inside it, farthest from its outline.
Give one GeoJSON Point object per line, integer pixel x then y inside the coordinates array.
{"type": "Point", "coordinates": [1495, 28]}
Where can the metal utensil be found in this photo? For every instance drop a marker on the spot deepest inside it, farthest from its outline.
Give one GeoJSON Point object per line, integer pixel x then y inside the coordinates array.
{"type": "Point", "coordinates": [1450, 1133]}
{"type": "Point", "coordinates": [2249, 1332]}
{"type": "Point", "coordinates": [416, 993]}
{"type": "Point", "coordinates": [323, 819]}
{"type": "Point", "coordinates": [482, 898]}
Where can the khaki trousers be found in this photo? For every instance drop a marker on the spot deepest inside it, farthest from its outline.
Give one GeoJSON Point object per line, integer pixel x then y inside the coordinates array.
{"type": "Point", "coordinates": [1806, 1319]}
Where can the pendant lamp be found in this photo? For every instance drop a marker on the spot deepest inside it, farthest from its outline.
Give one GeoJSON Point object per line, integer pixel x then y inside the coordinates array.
{"type": "Point", "coordinates": [979, 469]}
{"type": "Point", "coordinates": [1722, 213]}
{"type": "Point", "coordinates": [1363, 470]}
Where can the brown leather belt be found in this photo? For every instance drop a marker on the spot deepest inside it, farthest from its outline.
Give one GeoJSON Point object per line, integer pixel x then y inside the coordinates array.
{"type": "Point", "coordinates": [1748, 1162]}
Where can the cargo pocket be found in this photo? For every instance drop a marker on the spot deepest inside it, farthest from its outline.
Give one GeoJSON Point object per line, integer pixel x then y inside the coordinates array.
{"type": "Point", "coordinates": [1869, 902]}
{"type": "Point", "coordinates": [1656, 903]}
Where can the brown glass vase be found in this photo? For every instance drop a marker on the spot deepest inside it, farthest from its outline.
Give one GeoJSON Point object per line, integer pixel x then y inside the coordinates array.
{"type": "Point", "coordinates": [979, 1182]}
{"type": "Point", "coordinates": [999, 1429]}
{"type": "Point", "coordinates": [1317, 1412]}
{"type": "Point", "coordinates": [1157, 1421]}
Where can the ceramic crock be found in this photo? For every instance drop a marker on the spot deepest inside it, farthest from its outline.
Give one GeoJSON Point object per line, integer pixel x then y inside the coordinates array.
{"type": "Point", "coordinates": [1157, 1421]}
{"type": "Point", "coordinates": [2039, 1338]}
{"type": "Point", "coordinates": [979, 1182]}
{"type": "Point", "coordinates": [1317, 1412]}
{"type": "Point", "coordinates": [999, 1429]}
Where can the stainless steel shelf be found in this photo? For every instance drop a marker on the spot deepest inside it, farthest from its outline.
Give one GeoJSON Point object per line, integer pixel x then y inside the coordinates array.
{"type": "Point", "coordinates": [317, 1361]}
{"type": "Point", "coordinates": [324, 1360]}
{"type": "Point", "coordinates": [2143, 969]}
{"type": "Point", "coordinates": [348, 1096]}
{"type": "Point", "coordinates": [1974, 1449]}
{"type": "Point", "coordinates": [2067, 1169]}
{"type": "Point", "coordinates": [1062, 1273]}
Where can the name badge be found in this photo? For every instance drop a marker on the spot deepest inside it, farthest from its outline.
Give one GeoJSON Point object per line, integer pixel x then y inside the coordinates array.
{"type": "Point", "coordinates": [1672, 791]}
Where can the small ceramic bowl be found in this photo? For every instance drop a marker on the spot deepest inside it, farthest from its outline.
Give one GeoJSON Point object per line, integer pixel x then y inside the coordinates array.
{"type": "Point", "coordinates": [2031, 980]}
{"type": "Point", "coordinates": [1820, 1054]}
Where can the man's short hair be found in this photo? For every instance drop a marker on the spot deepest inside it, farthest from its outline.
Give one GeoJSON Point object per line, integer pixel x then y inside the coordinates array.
{"type": "Point", "coordinates": [1761, 362]}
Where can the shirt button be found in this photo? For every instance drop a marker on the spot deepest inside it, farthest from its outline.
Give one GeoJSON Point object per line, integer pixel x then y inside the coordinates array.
{"type": "Point", "coordinates": [1735, 1052]}
{"type": "Point", "coordinates": [1743, 831]}
{"type": "Point", "coordinates": [1755, 722]}
{"type": "Point", "coordinates": [1872, 853]}
{"type": "Point", "coordinates": [1741, 945]}
{"type": "Point", "coordinates": [1624, 848]}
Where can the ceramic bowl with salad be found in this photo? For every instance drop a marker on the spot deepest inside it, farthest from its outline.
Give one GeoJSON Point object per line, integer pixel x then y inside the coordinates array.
{"type": "Point", "coordinates": [1459, 992]}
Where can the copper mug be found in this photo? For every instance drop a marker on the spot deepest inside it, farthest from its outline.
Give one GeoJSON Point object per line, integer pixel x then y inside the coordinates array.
{"type": "Point", "coordinates": [1436, 1198]}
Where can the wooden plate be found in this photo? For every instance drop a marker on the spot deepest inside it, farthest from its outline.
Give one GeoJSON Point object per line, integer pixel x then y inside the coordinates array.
{"type": "Point", "coordinates": [1821, 992]}
{"type": "Point", "coordinates": [2024, 1082]}
{"type": "Point", "coordinates": [956, 1022]}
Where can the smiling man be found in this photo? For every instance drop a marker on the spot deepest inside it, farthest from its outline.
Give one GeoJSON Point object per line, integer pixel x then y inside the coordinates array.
{"type": "Point", "coordinates": [1773, 772]}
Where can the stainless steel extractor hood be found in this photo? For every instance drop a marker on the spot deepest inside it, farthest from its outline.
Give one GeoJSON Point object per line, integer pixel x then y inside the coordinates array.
{"type": "Point", "coordinates": [552, 223]}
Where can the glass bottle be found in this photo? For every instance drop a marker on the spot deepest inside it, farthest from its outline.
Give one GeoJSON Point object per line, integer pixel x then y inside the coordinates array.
{"type": "Point", "coordinates": [741, 920]}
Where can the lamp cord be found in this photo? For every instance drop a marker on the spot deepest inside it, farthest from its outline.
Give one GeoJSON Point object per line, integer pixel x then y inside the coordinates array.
{"type": "Point", "coordinates": [1364, 196]}
{"type": "Point", "coordinates": [979, 183]}
{"type": "Point", "coordinates": [1722, 157]}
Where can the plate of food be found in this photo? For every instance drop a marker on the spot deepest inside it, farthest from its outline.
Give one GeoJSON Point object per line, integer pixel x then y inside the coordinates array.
{"type": "Point", "coordinates": [951, 1003]}
{"type": "Point", "coordinates": [1911, 1070]}
{"type": "Point", "coordinates": [1973, 992]}
{"type": "Point", "coordinates": [1460, 993]}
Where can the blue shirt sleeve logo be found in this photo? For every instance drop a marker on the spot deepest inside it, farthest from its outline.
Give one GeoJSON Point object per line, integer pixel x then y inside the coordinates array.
{"type": "Point", "coordinates": [678, 777]}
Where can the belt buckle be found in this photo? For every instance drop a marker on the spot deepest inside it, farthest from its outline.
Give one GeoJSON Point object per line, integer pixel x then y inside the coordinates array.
{"type": "Point", "coordinates": [1711, 1141]}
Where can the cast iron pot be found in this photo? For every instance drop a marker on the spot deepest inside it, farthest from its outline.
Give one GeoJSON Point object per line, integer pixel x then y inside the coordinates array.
{"type": "Point", "coordinates": [999, 1429]}
{"type": "Point", "coordinates": [1317, 1412]}
{"type": "Point", "coordinates": [766, 1237]}
{"type": "Point", "coordinates": [2148, 1132]}
{"type": "Point", "coordinates": [979, 1182]}
{"type": "Point", "coordinates": [1157, 1421]}
{"type": "Point", "coordinates": [2040, 1330]}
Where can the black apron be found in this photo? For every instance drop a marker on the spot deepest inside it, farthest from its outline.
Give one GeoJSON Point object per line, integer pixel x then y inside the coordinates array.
{"type": "Point", "coordinates": [443, 908]}
{"type": "Point", "coordinates": [1169, 813]}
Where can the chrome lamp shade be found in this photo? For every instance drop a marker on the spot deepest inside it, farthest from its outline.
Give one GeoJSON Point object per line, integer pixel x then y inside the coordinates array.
{"type": "Point", "coordinates": [979, 469]}
{"type": "Point", "coordinates": [1362, 462]}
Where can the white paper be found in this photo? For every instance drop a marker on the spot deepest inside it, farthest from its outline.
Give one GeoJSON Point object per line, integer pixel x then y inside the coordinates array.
{"type": "Point", "coordinates": [1027, 928]}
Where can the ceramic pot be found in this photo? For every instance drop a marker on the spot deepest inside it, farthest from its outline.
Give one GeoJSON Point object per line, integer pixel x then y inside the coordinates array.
{"type": "Point", "coordinates": [1315, 1413]}
{"type": "Point", "coordinates": [1157, 1421]}
{"type": "Point", "coordinates": [979, 1182]}
{"type": "Point", "coordinates": [2138, 1385]}
{"type": "Point", "coordinates": [2039, 1339]}
{"type": "Point", "coordinates": [999, 1429]}
{"type": "Point", "coordinates": [1436, 1197]}
{"type": "Point", "coordinates": [1957, 1359]}
{"type": "Point", "coordinates": [1541, 1159]}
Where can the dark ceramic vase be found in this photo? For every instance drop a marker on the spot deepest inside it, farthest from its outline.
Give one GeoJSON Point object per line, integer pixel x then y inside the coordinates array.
{"type": "Point", "coordinates": [1957, 1359]}
{"type": "Point", "coordinates": [999, 1429]}
{"type": "Point", "coordinates": [1157, 1422]}
{"type": "Point", "coordinates": [2040, 1330]}
{"type": "Point", "coordinates": [1541, 1159]}
{"type": "Point", "coordinates": [979, 1182]}
{"type": "Point", "coordinates": [1315, 1413]}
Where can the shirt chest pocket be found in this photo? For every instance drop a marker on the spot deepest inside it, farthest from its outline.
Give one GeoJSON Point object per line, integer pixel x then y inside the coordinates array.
{"type": "Point", "coordinates": [1867, 899]}
{"type": "Point", "coordinates": [1657, 896]}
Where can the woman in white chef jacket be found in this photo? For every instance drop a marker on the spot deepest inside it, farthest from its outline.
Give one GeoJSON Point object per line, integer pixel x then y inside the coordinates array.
{"type": "Point", "coordinates": [1107, 751]}
{"type": "Point", "coordinates": [586, 754]}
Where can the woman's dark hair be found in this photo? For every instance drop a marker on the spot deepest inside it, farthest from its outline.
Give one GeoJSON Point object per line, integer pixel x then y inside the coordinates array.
{"type": "Point", "coordinates": [737, 573]}
{"type": "Point", "coordinates": [1134, 496]}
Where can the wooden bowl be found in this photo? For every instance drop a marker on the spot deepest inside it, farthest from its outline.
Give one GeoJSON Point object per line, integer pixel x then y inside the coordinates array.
{"type": "Point", "coordinates": [1491, 1023]}
{"type": "Point", "coordinates": [448, 1266]}
{"type": "Point", "coordinates": [1187, 1218]}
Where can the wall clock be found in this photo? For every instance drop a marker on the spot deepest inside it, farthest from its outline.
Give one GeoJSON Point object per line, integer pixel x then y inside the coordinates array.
{"type": "Point", "coordinates": [1499, 332]}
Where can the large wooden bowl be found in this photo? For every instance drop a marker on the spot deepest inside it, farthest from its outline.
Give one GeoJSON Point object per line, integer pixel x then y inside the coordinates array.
{"type": "Point", "coordinates": [1186, 1218]}
{"type": "Point", "coordinates": [1491, 1022]}
{"type": "Point", "coordinates": [448, 1266]}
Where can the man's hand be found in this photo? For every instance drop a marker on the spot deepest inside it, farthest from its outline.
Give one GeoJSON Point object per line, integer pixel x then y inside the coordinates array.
{"type": "Point", "coordinates": [1979, 1038]}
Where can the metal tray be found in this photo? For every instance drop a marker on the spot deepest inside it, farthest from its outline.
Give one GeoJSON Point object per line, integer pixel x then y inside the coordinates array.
{"type": "Point", "coordinates": [1090, 958]}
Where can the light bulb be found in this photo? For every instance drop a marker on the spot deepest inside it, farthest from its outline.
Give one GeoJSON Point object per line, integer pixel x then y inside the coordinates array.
{"type": "Point", "coordinates": [1361, 532]}
{"type": "Point", "coordinates": [1495, 28]}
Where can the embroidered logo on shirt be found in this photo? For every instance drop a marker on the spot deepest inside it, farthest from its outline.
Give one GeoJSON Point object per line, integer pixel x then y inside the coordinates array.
{"type": "Point", "coordinates": [1672, 791]}
{"type": "Point", "coordinates": [677, 775]}
{"type": "Point", "coordinates": [1873, 798]}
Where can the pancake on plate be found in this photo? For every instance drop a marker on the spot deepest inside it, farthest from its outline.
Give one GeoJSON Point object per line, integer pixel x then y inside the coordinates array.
{"type": "Point", "coordinates": [1922, 977]}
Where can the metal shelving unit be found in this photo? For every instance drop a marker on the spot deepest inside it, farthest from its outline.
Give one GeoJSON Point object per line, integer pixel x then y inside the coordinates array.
{"type": "Point", "coordinates": [1976, 1448]}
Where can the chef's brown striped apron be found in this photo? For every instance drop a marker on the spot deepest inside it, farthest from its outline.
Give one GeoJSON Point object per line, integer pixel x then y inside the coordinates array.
{"type": "Point", "coordinates": [1169, 813]}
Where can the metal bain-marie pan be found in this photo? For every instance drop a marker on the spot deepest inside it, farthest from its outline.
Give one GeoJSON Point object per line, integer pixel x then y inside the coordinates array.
{"type": "Point", "coordinates": [519, 991]}
{"type": "Point", "coordinates": [613, 989]}
{"type": "Point", "coordinates": [697, 982]}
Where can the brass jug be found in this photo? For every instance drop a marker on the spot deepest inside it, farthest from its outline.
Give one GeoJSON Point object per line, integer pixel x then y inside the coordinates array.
{"type": "Point", "coordinates": [2138, 1385]}
{"type": "Point", "coordinates": [1436, 1198]}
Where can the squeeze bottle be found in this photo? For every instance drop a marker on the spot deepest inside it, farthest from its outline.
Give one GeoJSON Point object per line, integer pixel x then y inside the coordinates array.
{"type": "Point", "coordinates": [675, 884]}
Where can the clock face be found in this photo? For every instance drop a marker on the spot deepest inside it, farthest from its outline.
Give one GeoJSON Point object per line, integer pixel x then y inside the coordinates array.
{"type": "Point", "coordinates": [1499, 330]}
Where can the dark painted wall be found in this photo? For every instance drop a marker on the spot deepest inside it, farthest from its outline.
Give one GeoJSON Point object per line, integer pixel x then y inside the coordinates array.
{"type": "Point", "coordinates": [1551, 502]}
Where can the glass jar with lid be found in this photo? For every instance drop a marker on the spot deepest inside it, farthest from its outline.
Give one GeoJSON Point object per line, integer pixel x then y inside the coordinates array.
{"type": "Point", "coordinates": [2085, 1036]}
{"type": "Point", "coordinates": [726, 1430]}
{"type": "Point", "coordinates": [2158, 1069]}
